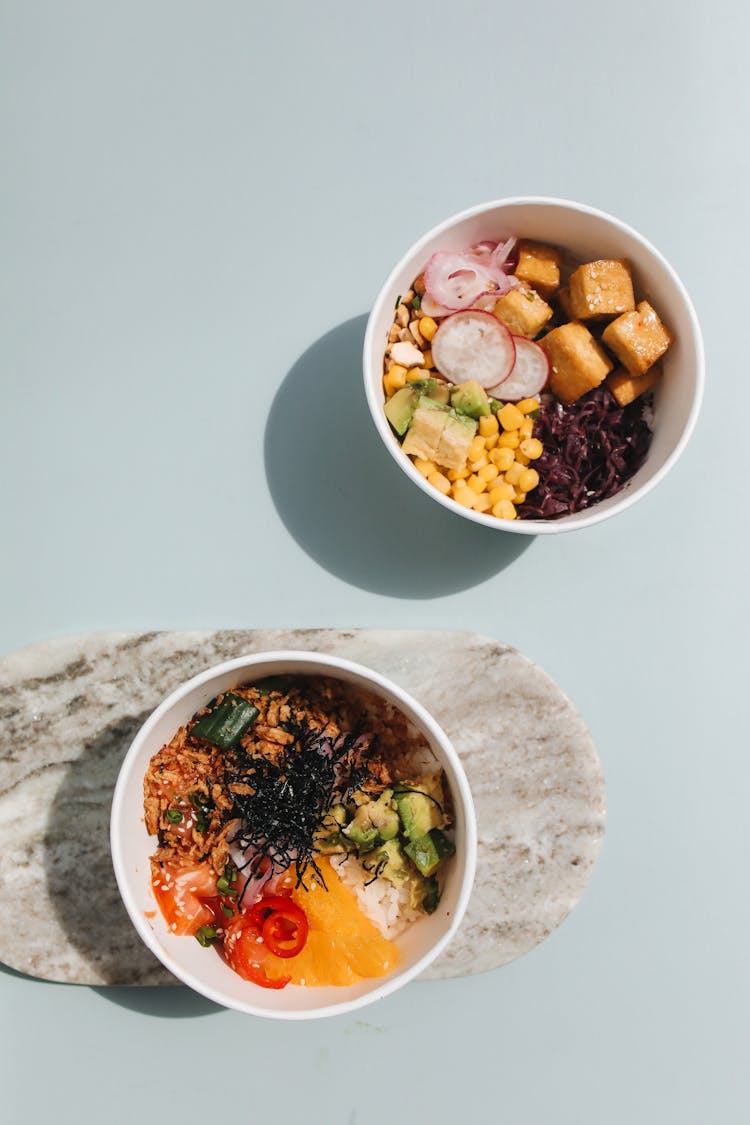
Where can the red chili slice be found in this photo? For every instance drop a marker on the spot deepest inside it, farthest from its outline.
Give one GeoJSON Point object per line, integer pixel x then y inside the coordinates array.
{"type": "Point", "coordinates": [285, 930]}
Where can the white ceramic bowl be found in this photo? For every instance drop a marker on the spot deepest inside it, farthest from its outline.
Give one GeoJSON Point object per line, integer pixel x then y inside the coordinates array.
{"type": "Point", "coordinates": [588, 234]}
{"type": "Point", "coordinates": [203, 969]}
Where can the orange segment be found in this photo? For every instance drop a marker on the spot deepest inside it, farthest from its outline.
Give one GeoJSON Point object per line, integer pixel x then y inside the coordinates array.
{"type": "Point", "coordinates": [343, 945]}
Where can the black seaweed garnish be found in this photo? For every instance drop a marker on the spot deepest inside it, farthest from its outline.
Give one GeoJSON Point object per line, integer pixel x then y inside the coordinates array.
{"type": "Point", "coordinates": [284, 800]}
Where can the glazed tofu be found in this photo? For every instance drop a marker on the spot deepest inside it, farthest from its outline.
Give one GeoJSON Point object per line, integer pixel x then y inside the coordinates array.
{"type": "Point", "coordinates": [577, 362]}
{"type": "Point", "coordinates": [637, 338]}
{"type": "Point", "coordinates": [523, 312]}
{"type": "Point", "coordinates": [563, 299]}
{"type": "Point", "coordinates": [601, 289]}
{"type": "Point", "coordinates": [626, 388]}
{"type": "Point", "coordinates": [539, 265]}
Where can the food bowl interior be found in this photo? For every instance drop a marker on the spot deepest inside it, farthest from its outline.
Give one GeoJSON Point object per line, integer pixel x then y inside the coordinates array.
{"type": "Point", "coordinates": [203, 969]}
{"type": "Point", "coordinates": [587, 234]}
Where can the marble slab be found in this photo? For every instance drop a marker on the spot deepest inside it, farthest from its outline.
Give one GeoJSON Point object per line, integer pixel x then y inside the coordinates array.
{"type": "Point", "coordinates": [69, 709]}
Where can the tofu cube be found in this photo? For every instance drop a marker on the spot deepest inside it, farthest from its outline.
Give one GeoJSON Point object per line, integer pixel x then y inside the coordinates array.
{"type": "Point", "coordinates": [563, 299]}
{"type": "Point", "coordinates": [637, 338]}
{"type": "Point", "coordinates": [600, 289]}
{"type": "Point", "coordinates": [626, 388]}
{"type": "Point", "coordinates": [523, 312]}
{"type": "Point", "coordinates": [539, 265]}
{"type": "Point", "coordinates": [577, 362]}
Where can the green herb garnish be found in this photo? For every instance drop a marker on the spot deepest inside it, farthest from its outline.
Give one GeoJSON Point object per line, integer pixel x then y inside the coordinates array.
{"type": "Point", "coordinates": [534, 414]}
{"type": "Point", "coordinates": [416, 301]}
{"type": "Point", "coordinates": [174, 816]}
{"type": "Point", "coordinates": [529, 294]}
{"type": "Point", "coordinates": [206, 936]}
{"type": "Point", "coordinates": [398, 301]}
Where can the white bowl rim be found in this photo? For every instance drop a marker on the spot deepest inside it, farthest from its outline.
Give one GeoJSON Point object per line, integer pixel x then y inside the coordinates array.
{"type": "Point", "coordinates": [582, 519]}
{"type": "Point", "coordinates": [459, 783]}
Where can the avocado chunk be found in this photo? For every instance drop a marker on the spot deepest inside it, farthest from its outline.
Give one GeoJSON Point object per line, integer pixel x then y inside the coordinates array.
{"type": "Point", "coordinates": [471, 399]}
{"type": "Point", "coordinates": [399, 410]}
{"type": "Point", "coordinates": [383, 815]}
{"type": "Point", "coordinates": [455, 442]}
{"type": "Point", "coordinates": [362, 833]}
{"type": "Point", "coordinates": [427, 852]}
{"type": "Point", "coordinates": [426, 429]}
{"type": "Point", "coordinates": [389, 862]}
{"type": "Point", "coordinates": [418, 813]}
{"type": "Point", "coordinates": [425, 893]}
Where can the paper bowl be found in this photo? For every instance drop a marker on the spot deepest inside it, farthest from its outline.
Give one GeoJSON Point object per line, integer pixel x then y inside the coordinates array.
{"type": "Point", "coordinates": [203, 969]}
{"type": "Point", "coordinates": [588, 234]}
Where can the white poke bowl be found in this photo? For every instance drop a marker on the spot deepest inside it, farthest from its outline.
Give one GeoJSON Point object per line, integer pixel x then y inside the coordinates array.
{"type": "Point", "coordinates": [588, 234]}
{"type": "Point", "coordinates": [203, 969]}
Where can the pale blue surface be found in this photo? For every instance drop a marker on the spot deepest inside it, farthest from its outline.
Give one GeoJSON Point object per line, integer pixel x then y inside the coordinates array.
{"type": "Point", "coordinates": [193, 196]}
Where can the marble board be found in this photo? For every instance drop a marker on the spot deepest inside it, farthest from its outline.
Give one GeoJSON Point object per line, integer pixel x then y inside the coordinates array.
{"type": "Point", "coordinates": [69, 709]}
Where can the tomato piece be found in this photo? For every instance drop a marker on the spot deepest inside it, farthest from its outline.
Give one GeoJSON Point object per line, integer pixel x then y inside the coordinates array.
{"type": "Point", "coordinates": [245, 951]}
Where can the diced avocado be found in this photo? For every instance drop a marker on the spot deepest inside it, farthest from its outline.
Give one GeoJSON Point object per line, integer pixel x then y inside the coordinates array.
{"type": "Point", "coordinates": [471, 399]}
{"type": "Point", "coordinates": [427, 852]}
{"type": "Point", "coordinates": [390, 863]}
{"type": "Point", "coordinates": [362, 831]}
{"type": "Point", "coordinates": [426, 429]}
{"type": "Point", "coordinates": [383, 815]}
{"type": "Point", "coordinates": [424, 893]}
{"type": "Point", "coordinates": [399, 410]}
{"type": "Point", "coordinates": [418, 813]}
{"type": "Point", "coordinates": [333, 844]}
{"type": "Point", "coordinates": [337, 813]}
{"type": "Point", "coordinates": [439, 392]}
{"type": "Point", "coordinates": [455, 442]}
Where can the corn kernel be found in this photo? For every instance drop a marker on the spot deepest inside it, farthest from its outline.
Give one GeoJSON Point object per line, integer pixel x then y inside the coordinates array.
{"type": "Point", "coordinates": [510, 417]}
{"type": "Point", "coordinates": [491, 441]}
{"type": "Point", "coordinates": [414, 374]}
{"type": "Point", "coordinates": [476, 484]}
{"type": "Point", "coordinates": [396, 371]}
{"type": "Point", "coordinates": [528, 405]}
{"type": "Point", "coordinates": [488, 425]}
{"type": "Point", "coordinates": [533, 448]}
{"type": "Point", "coordinates": [441, 483]}
{"type": "Point", "coordinates": [521, 458]}
{"type": "Point", "coordinates": [513, 474]}
{"type": "Point", "coordinates": [427, 359]}
{"type": "Point", "coordinates": [388, 388]}
{"type": "Point", "coordinates": [465, 496]}
{"type": "Point", "coordinates": [488, 473]}
{"type": "Point", "coordinates": [427, 326]}
{"type": "Point", "coordinates": [528, 480]}
{"type": "Point", "coordinates": [502, 492]}
{"type": "Point", "coordinates": [480, 462]}
{"type": "Point", "coordinates": [509, 440]}
{"type": "Point", "coordinates": [519, 497]}
{"type": "Point", "coordinates": [526, 428]}
{"type": "Point", "coordinates": [504, 510]}
{"type": "Point", "coordinates": [424, 467]}
{"type": "Point", "coordinates": [476, 449]}
{"type": "Point", "coordinates": [502, 459]}
{"type": "Point", "coordinates": [482, 503]}
{"type": "Point", "coordinates": [457, 474]}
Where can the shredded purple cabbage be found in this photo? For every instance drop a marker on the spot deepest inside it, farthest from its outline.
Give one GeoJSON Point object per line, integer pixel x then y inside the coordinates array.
{"type": "Point", "coordinates": [591, 449]}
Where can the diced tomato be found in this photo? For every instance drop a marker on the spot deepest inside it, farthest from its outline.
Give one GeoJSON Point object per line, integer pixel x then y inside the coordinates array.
{"type": "Point", "coordinates": [245, 951]}
{"type": "Point", "coordinates": [179, 891]}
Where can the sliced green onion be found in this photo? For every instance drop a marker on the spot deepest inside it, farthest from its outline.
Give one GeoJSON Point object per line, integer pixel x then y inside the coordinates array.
{"type": "Point", "coordinates": [222, 885]}
{"type": "Point", "coordinates": [225, 722]}
{"type": "Point", "coordinates": [205, 936]}
{"type": "Point", "coordinates": [227, 910]}
{"type": "Point", "coordinates": [174, 815]}
{"type": "Point", "coordinates": [398, 301]}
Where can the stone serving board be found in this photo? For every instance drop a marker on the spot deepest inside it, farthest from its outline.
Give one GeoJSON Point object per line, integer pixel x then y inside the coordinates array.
{"type": "Point", "coordinates": [69, 709]}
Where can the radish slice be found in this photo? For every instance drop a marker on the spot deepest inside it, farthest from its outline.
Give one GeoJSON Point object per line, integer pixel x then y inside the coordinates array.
{"type": "Point", "coordinates": [473, 345]}
{"type": "Point", "coordinates": [431, 308]}
{"type": "Point", "coordinates": [529, 375]}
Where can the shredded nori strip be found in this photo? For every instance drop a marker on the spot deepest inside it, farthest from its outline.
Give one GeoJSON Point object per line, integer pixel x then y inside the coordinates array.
{"type": "Point", "coordinates": [289, 797]}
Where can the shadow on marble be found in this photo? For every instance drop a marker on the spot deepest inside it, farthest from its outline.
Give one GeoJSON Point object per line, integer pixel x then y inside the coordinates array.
{"type": "Point", "coordinates": [345, 501]}
{"type": "Point", "coordinates": [78, 867]}
{"type": "Point", "coordinates": [179, 1002]}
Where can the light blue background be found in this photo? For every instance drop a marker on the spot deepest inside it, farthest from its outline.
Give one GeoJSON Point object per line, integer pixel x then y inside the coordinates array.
{"type": "Point", "coordinates": [193, 197]}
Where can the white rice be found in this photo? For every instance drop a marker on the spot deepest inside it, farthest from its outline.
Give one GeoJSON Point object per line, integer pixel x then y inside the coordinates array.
{"type": "Point", "coordinates": [385, 905]}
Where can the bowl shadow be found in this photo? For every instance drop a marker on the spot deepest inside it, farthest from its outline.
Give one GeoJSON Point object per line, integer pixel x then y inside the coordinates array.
{"type": "Point", "coordinates": [345, 501]}
{"type": "Point", "coordinates": [83, 892]}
